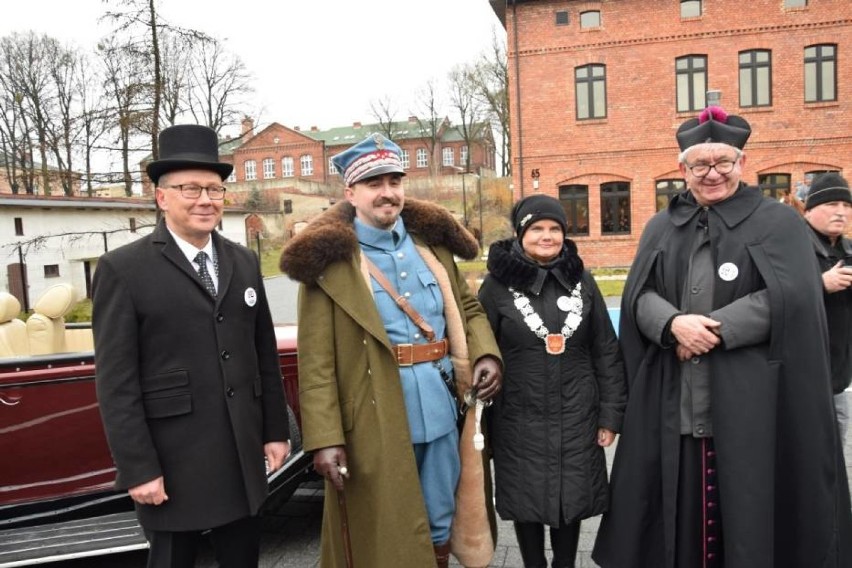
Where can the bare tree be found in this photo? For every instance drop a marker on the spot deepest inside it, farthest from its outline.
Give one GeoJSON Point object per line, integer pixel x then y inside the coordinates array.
{"type": "Point", "coordinates": [218, 81]}
{"type": "Point", "coordinates": [30, 59]}
{"type": "Point", "coordinates": [430, 120]}
{"type": "Point", "coordinates": [142, 14]}
{"type": "Point", "coordinates": [64, 124]}
{"type": "Point", "coordinates": [94, 117]}
{"type": "Point", "coordinates": [492, 86]}
{"type": "Point", "coordinates": [12, 130]}
{"type": "Point", "coordinates": [384, 112]}
{"type": "Point", "coordinates": [469, 107]}
{"type": "Point", "coordinates": [128, 88]}
{"type": "Point", "coordinates": [176, 55]}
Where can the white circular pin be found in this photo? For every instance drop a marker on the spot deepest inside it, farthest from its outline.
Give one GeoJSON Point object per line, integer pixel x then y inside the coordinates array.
{"type": "Point", "coordinates": [563, 303]}
{"type": "Point", "coordinates": [728, 271]}
{"type": "Point", "coordinates": [250, 297]}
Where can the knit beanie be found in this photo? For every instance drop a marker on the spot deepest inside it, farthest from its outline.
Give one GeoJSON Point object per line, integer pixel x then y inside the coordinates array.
{"type": "Point", "coordinates": [534, 208]}
{"type": "Point", "coordinates": [827, 187]}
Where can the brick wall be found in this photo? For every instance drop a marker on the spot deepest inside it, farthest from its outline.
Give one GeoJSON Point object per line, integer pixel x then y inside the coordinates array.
{"type": "Point", "coordinates": [638, 42]}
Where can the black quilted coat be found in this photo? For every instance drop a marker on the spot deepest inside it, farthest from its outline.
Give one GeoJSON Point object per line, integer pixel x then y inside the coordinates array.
{"type": "Point", "coordinates": [544, 422]}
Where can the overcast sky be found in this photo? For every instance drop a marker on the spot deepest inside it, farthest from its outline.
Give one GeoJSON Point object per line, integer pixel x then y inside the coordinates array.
{"type": "Point", "coordinates": [316, 62]}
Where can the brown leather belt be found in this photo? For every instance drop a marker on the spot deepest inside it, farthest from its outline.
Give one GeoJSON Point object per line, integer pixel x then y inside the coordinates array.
{"type": "Point", "coordinates": [408, 354]}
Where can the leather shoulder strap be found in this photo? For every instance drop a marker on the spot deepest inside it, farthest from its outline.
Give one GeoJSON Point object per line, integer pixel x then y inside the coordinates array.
{"type": "Point", "coordinates": [403, 304]}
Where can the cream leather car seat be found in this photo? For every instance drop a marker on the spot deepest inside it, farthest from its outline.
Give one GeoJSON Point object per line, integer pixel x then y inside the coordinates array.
{"type": "Point", "coordinates": [13, 331]}
{"type": "Point", "coordinates": [46, 327]}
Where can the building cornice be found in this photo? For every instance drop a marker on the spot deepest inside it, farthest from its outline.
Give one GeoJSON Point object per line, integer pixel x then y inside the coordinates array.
{"type": "Point", "coordinates": [707, 34]}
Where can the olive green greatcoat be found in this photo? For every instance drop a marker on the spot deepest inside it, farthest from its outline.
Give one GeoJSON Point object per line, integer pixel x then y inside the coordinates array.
{"type": "Point", "coordinates": [350, 390]}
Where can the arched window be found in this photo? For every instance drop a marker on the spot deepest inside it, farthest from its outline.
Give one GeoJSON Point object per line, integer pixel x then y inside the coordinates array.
{"type": "Point", "coordinates": [268, 168]}
{"type": "Point", "coordinates": [250, 168]}
{"type": "Point", "coordinates": [590, 19]}
{"type": "Point", "coordinates": [306, 163]}
{"type": "Point", "coordinates": [690, 8]}
{"type": "Point", "coordinates": [666, 190]}
{"type": "Point", "coordinates": [287, 167]}
{"type": "Point", "coordinates": [615, 208]}
{"type": "Point", "coordinates": [575, 202]}
{"type": "Point", "coordinates": [422, 158]}
{"type": "Point", "coordinates": [774, 184]}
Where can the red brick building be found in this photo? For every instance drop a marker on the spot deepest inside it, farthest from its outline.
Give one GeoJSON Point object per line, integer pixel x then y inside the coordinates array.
{"type": "Point", "coordinates": [598, 89]}
{"type": "Point", "coordinates": [278, 155]}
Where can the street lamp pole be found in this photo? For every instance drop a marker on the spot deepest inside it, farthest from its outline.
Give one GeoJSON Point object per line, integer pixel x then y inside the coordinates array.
{"type": "Point", "coordinates": [479, 191]}
{"type": "Point", "coordinates": [464, 202]}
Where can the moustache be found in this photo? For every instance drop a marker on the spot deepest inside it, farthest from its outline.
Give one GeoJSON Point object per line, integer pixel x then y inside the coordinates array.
{"type": "Point", "coordinates": [386, 201]}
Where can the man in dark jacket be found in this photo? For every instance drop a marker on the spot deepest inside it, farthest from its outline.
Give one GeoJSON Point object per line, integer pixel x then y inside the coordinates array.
{"type": "Point", "coordinates": [187, 375]}
{"type": "Point", "coordinates": [828, 209]}
{"type": "Point", "coordinates": [729, 454]}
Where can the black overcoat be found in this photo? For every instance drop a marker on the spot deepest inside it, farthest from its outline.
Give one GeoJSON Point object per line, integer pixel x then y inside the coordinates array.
{"type": "Point", "coordinates": [838, 310]}
{"type": "Point", "coordinates": [189, 386]}
{"type": "Point", "coordinates": [544, 422]}
{"type": "Point", "coordinates": [782, 485]}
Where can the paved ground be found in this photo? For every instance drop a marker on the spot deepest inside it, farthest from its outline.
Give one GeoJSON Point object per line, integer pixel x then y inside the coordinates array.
{"type": "Point", "coordinates": [291, 535]}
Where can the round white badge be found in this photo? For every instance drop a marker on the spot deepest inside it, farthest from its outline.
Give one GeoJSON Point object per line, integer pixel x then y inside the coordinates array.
{"type": "Point", "coordinates": [728, 271]}
{"type": "Point", "coordinates": [250, 297]}
{"type": "Point", "coordinates": [563, 303]}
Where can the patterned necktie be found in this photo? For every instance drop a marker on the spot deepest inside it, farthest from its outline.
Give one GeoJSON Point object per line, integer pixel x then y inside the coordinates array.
{"type": "Point", "coordinates": [201, 260]}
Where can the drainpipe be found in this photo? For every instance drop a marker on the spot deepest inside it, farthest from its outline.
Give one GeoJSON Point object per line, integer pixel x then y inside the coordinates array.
{"type": "Point", "coordinates": [518, 98]}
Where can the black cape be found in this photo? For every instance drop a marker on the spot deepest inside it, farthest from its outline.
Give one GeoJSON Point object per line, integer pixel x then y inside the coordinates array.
{"type": "Point", "coordinates": [782, 482]}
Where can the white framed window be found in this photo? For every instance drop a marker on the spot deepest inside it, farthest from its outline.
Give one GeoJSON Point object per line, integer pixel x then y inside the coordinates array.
{"type": "Point", "coordinates": [590, 19]}
{"type": "Point", "coordinates": [332, 169]}
{"type": "Point", "coordinates": [250, 168]}
{"type": "Point", "coordinates": [287, 169]}
{"type": "Point", "coordinates": [268, 168]}
{"type": "Point", "coordinates": [463, 156]}
{"type": "Point", "coordinates": [233, 177]}
{"type": "Point", "coordinates": [690, 8]}
{"type": "Point", "coordinates": [448, 156]}
{"type": "Point", "coordinates": [405, 158]}
{"type": "Point", "coordinates": [422, 158]}
{"type": "Point", "coordinates": [306, 163]}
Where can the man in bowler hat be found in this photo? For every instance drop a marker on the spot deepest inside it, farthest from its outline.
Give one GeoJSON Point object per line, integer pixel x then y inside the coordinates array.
{"type": "Point", "coordinates": [187, 372]}
{"type": "Point", "coordinates": [828, 211]}
{"type": "Point", "coordinates": [729, 454]}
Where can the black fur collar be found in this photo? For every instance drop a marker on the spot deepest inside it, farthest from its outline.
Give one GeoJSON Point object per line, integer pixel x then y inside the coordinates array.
{"type": "Point", "coordinates": [331, 237]}
{"type": "Point", "coordinates": [509, 267]}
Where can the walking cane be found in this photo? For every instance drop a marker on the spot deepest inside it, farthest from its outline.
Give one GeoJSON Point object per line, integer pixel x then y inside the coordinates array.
{"type": "Point", "coordinates": [344, 521]}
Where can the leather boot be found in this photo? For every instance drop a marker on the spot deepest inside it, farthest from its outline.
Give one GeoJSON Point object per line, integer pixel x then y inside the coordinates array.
{"type": "Point", "coordinates": [442, 554]}
{"type": "Point", "coordinates": [564, 541]}
{"type": "Point", "coordinates": [531, 542]}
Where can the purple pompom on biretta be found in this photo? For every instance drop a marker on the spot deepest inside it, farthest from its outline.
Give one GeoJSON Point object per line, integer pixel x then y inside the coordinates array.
{"type": "Point", "coordinates": [714, 124]}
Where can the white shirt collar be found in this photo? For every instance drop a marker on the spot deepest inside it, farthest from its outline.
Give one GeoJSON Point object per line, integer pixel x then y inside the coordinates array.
{"type": "Point", "coordinates": [190, 250]}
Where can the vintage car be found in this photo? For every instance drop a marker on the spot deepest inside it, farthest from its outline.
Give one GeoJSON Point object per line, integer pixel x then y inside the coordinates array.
{"type": "Point", "coordinates": [56, 474]}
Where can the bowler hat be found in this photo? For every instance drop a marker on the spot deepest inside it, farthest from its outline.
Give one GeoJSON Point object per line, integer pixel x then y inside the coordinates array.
{"type": "Point", "coordinates": [827, 187]}
{"type": "Point", "coordinates": [373, 156]}
{"type": "Point", "coordinates": [714, 125]}
{"type": "Point", "coordinates": [188, 147]}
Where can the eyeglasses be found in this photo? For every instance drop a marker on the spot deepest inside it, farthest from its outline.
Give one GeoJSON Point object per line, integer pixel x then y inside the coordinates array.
{"type": "Point", "coordinates": [722, 168]}
{"type": "Point", "coordinates": [193, 190]}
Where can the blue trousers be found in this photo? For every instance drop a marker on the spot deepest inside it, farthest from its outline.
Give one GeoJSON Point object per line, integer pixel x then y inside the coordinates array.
{"type": "Point", "coordinates": [439, 467]}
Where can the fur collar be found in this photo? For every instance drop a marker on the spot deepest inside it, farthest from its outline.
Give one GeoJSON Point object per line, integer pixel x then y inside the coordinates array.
{"type": "Point", "coordinates": [507, 265]}
{"type": "Point", "coordinates": [331, 238]}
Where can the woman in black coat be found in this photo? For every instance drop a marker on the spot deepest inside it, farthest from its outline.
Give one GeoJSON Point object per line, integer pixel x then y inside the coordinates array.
{"type": "Point", "coordinates": [564, 390]}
